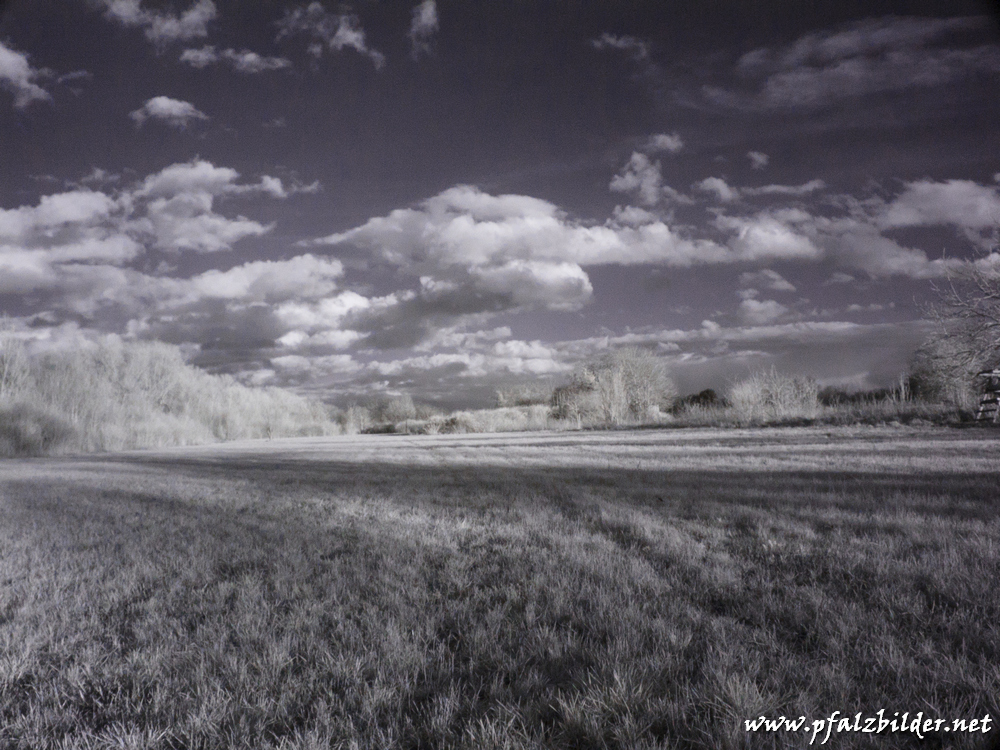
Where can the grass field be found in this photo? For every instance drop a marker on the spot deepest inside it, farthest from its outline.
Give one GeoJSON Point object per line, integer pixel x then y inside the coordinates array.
{"type": "Point", "coordinates": [646, 589]}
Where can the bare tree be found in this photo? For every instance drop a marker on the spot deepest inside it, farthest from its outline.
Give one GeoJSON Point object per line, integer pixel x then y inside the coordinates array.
{"type": "Point", "coordinates": [967, 335]}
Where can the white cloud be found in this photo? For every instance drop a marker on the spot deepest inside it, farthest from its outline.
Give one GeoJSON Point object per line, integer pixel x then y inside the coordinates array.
{"type": "Point", "coordinates": [71, 242]}
{"type": "Point", "coordinates": [728, 193]}
{"type": "Point", "coordinates": [768, 279]}
{"type": "Point", "coordinates": [466, 228]}
{"type": "Point", "coordinates": [962, 203]}
{"type": "Point", "coordinates": [336, 30]}
{"type": "Point", "coordinates": [636, 48]}
{"type": "Point", "coordinates": [173, 112]}
{"type": "Point", "coordinates": [765, 236]}
{"type": "Point", "coordinates": [324, 314]}
{"type": "Point", "coordinates": [859, 245]}
{"type": "Point", "coordinates": [423, 27]}
{"type": "Point", "coordinates": [300, 278]}
{"type": "Point", "coordinates": [163, 28]}
{"type": "Point", "coordinates": [639, 175]}
{"type": "Point", "coordinates": [179, 202]}
{"type": "Point", "coordinates": [794, 190]}
{"type": "Point", "coordinates": [18, 77]}
{"type": "Point", "coordinates": [643, 177]}
{"type": "Point", "coordinates": [717, 185]}
{"type": "Point", "coordinates": [671, 143]}
{"type": "Point", "coordinates": [874, 55]}
{"type": "Point", "coordinates": [76, 207]}
{"type": "Point", "coordinates": [870, 37]}
{"type": "Point", "coordinates": [187, 222]}
{"type": "Point", "coordinates": [242, 62]}
{"type": "Point", "coordinates": [760, 312]}
{"type": "Point", "coordinates": [633, 216]}
{"type": "Point", "coordinates": [757, 159]}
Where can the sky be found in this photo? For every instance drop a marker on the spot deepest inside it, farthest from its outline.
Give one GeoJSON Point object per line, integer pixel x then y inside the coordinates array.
{"type": "Point", "coordinates": [447, 197]}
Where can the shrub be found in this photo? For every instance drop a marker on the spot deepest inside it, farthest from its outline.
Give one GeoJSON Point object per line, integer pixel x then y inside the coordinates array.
{"type": "Point", "coordinates": [706, 399]}
{"type": "Point", "coordinates": [624, 386]}
{"type": "Point", "coordinates": [386, 409]}
{"type": "Point", "coordinates": [768, 396]}
{"type": "Point", "coordinates": [28, 430]}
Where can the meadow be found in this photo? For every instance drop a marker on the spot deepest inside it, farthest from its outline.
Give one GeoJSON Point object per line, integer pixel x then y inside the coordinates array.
{"type": "Point", "coordinates": [637, 589]}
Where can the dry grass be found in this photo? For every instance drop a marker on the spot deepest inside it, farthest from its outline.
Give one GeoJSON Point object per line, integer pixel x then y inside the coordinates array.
{"type": "Point", "coordinates": [629, 590]}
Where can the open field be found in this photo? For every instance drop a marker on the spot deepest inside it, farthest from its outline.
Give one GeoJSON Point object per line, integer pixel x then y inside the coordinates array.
{"type": "Point", "coordinates": [645, 589]}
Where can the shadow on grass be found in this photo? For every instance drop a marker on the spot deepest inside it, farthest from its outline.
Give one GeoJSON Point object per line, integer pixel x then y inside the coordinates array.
{"type": "Point", "coordinates": [689, 493]}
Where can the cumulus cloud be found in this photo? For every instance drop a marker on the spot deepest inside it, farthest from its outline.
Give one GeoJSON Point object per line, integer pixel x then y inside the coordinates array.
{"type": "Point", "coordinates": [74, 243]}
{"type": "Point", "coordinates": [302, 277]}
{"type": "Point", "coordinates": [85, 254]}
{"type": "Point", "coordinates": [768, 279]}
{"type": "Point", "coordinates": [639, 175]}
{"type": "Point", "coordinates": [760, 312]}
{"type": "Point", "coordinates": [423, 27]}
{"type": "Point", "coordinates": [162, 28]}
{"type": "Point", "coordinates": [18, 77]}
{"type": "Point", "coordinates": [179, 213]}
{"type": "Point", "coordinates": [643, 177]}
{"type": "Point", "coordinates": [767, 236]}
{"type": "Point", "coordinates": [173, 112]}
{"type": "Point", "coordinates": [962, 203]}
{"type": "Point", "coordinates": [242, 62]}
{"type": "Point", "coordinates": [859, 245]}
{"type": "Point", "coordinates": [477, 254]}
{"type": "Point", "coordinates": [671, 143]}
{"type": "Point", "coordinates": [337, 31]}
{"type": "Point", "coordinates": [757, 159]}
{"type": "Point", "coordinates": [852, 242]}
{"type": "Point", "coordinates": [717, 185]}
{"type": "Point", "coordinates": [464, 227]}
{"type": "Point", "coordinates": [870, 56]}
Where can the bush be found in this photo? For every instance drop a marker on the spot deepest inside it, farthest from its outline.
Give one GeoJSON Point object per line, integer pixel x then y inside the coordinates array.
{"type": "Point", "coordinates": [706, 399]}
{"type": "Point", "coordinates": [386, 409]}
{"type": "Point", "coordinates": [624, 386]}
{"type": "Point", "coordinates": [27, 430]}
{"type": "Point", "coordinates": [769, 396]}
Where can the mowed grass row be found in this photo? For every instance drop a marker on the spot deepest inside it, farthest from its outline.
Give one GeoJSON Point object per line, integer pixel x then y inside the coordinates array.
{"type": "Point", "coordinates": [245, 602]}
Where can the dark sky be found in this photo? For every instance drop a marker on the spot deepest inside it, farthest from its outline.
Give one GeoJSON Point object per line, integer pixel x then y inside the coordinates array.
{"type": "Point", "coordinates": [445, 197]}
